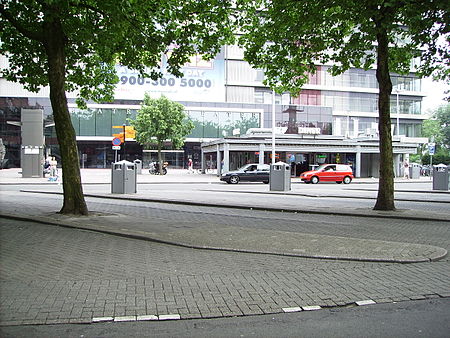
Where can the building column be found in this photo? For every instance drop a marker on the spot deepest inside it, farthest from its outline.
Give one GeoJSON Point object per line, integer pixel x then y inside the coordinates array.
{"type": "Point", "coordinates": [203, 161]}
{"type": "Point", "coordinates": [226, 157]}
{"type": "Point", "coordinates": [358, 162]}
{"type": "Point", "coordinates": [397, 166]}
{"type": "Point", "coordinates": [337, 126]}
{"type": "Point", "coordinates": [219, 161]}
{"type": "Point", "coordinates": [262, 146]}
{"type": "Point", "coordinates": [355, 127]}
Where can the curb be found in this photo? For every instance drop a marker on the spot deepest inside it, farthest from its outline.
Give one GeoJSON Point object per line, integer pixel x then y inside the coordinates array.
{"type": "Point", "coordinates": [371, 214]}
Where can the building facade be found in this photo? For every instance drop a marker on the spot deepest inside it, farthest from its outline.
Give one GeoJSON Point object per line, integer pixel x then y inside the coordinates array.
{"type": "Point", "coordinates": [224, 97]}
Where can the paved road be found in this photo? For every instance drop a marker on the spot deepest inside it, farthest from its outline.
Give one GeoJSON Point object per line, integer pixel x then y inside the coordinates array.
{"type": "Point", "coordinates": [53, 274]}
{"type": "Point", "coordinates": [423, 318]}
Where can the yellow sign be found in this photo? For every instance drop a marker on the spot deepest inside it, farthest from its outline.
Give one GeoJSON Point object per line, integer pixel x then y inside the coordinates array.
{"type": "Point", "coordinates": [129, 132]}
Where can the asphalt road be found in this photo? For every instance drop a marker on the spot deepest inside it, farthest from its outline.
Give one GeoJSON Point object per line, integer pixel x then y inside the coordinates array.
{"type": "Point", "coordinates": [426, 318]}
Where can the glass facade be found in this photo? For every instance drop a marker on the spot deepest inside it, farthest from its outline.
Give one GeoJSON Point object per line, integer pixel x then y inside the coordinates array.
{"type": "Point", "coordinates": [406, 105]}
{"type": "Point", "coordinates": [215, 124]}
{"type": "Point", "coordinates": [100, 121]}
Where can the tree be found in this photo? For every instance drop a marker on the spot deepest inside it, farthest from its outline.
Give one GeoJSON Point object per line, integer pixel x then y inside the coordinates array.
{"type": "Point", "coordinates": [74, 45]}
{"type": "Point", "coordinates": [442, 115]}
{"type": "Point", "coordinates": [287, 38]}
{"type": "Point", "coordinates": [161, 120]}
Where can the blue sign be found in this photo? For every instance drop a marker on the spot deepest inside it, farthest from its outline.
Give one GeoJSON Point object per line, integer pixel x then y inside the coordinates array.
{"type": "Point", "coordinates": [431, 148]}
{"type": "Point", "coordinates": [116, 141]}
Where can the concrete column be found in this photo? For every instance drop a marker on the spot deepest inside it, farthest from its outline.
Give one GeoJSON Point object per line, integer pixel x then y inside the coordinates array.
{"type": "Point", "coordinates": [397, 168]}
{"type": "Point", "coordinates": [262, 146]}
{"type": "Point", "coordinates": [337, 126]}
{"type": "Point", "coordinates": [358, 162]}
{"type": "Point", "coordinates": [355, 127]}
{"type": "Point", "coordinates": [203, 161]}
{"type": "Point", "coordinates": [226, 157]}
{"type": "Point", "coordinates": [219, 161]}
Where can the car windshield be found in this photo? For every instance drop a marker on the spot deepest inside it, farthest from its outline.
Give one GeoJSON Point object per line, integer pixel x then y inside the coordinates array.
{"type": "Point", "coordinates": [248, 167]}
{"type": "Point", "coordinates": [321, 167]}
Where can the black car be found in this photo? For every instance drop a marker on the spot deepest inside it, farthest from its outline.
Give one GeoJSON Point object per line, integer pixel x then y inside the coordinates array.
{"type": "Point", "coordinates": [250, 172]}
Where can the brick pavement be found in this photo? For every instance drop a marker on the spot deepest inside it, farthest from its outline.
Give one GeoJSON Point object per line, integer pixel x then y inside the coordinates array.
{"type": "Point", "coordinates": [58, 275]}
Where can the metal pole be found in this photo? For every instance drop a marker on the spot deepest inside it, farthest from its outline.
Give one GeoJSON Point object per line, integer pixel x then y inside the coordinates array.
{"type": "Point", "coordinates": [124, 151]}
{"type": "Point", "coordinates": [398, 112]}
{"type": "Point", "coordinates": [273, 126]}
{"type": "Point", "coordinates": [431, 166]}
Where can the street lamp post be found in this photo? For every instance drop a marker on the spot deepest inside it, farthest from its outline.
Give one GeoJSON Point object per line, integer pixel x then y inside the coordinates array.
{"type": "Point", "coordinates": [273, 126]}
{"type": "Point", "coordinates": [397, 91]}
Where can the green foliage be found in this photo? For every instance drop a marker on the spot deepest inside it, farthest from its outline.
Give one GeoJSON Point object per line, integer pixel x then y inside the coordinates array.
{"type": "Point", "coordinates": [99, 34]}
{"type": "Point", "coordinates": [288, 38]}
{"type": "Point", "coordinates": [441, 156]}
{"type": "Point", "coordinates": [437, 128]}
{"type": "Point", "coordinates": [159, 120]}
{"type": "Point", "coordinates": [442, 115]}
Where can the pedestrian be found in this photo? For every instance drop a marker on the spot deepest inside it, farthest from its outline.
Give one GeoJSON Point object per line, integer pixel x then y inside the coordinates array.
{"type": "Point", "coordinates": [405, 169]}
{"type": "Point", "coordinates": [53, 169]}
{"type": "Point", "coordinates": [190, 166]}
{"type": "Point", "coordinates": [47, 165]}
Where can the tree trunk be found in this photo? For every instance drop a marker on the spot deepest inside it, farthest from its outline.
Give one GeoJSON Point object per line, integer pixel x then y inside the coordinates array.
{"type": "Point", "coordinates": [385, 198]}
{"type": "Point", "coordinates": [74, 202]}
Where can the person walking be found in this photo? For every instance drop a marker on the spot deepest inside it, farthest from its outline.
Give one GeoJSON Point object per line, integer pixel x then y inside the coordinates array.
{"type": "Point", "coordinates": [405, 169]}
{"type": "Point", "coordinates": [53, 169]}
{"type": "Point", "coordinates": [190, 166]}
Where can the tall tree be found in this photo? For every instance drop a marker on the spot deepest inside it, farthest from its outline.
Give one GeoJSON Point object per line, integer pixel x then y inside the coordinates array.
{"type": "Point", "coordinates": [442, 115]}
{"type": "Point", "coordinates": [288, 38]}
{"type": "Point", "coordinates": [74, 45]}
{"type": "Point", "coordinates": [161, 120]}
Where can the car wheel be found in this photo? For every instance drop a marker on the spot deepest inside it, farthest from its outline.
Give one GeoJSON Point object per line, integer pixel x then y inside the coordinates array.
{"type": "Point", "coordinates": [266, 182]}
{"type": "Point", "coordinates": [314, 180]}
{"type": "Point", "coordinates": [338, 182]}
{"type": "Point", "coordinates": [234, 179]}
{"type": "Point", "coordinates": [347, 179]}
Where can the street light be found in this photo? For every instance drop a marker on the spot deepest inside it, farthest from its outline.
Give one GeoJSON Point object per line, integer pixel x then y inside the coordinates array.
{"type": "Point", "coordinates": [397, 91]}
{"type": "Point", "coordinates": [273, 126]}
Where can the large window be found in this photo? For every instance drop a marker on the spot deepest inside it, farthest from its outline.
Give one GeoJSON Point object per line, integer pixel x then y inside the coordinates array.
{"type": "Point", "coordinates": [406, 83]}
{"type": "Point", "coordinates": [217, 124]}
{"type": "Point", "coordinates": [242, 72]}
{"type": "Point", "coordinates": [347, 101]}
{"type": "Point", "coordinates": [351, 78]}
{"type": "Point", "coordinates": [100, 121]}
{"type": "Point", "coordinates": [406, 105]}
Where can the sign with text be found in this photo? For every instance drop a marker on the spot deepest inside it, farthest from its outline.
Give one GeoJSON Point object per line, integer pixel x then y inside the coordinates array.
{"type": "Point", "coordinates": [202, 81]}
{"type": "Point", "coordinates": [129, 133]}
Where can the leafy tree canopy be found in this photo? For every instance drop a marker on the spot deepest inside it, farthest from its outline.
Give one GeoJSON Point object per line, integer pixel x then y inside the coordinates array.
{"type": "Point", "coordinates": [159, 120]}
{"type": "Point", "coordinates": [99, 34]}
{"type": "Point", "coordinates": [288, 38]}
{"type": "Point", "coordinates": [437, 128]}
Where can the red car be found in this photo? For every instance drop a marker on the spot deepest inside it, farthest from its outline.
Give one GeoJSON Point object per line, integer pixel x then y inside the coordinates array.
{"type": "Point", "coordinates": [329, 173]}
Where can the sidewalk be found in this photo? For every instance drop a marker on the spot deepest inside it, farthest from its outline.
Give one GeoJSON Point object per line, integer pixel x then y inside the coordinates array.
{"type": "Point", "coordinates": [212, 193]}
{"type": "Point", "coordinates": [255, 262]}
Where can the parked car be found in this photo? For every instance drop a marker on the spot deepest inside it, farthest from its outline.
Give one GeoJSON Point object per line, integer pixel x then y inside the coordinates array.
{"type": "Point", "coordinates": [250, 172]}
{"type": "Point", "coordinates": [329, 173]}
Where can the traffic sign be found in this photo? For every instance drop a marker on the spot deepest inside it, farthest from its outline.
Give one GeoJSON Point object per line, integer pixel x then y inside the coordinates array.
{"type": "Point", "coordinates": [115, 147]}
{"type": "Point", "coordinates": [431, 148]}
{"type": "Point", "coordinates": [116, 141]}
